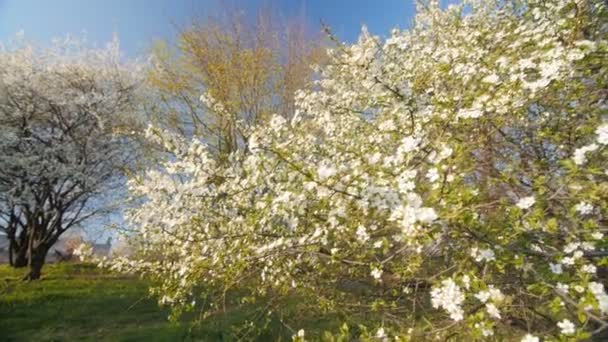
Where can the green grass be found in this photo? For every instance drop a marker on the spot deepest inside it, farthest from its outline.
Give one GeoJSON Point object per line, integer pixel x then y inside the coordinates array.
{"type": "Point", "coordinates": [79, 302]}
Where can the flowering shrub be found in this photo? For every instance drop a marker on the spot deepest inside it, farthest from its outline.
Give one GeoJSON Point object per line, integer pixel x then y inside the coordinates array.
{"type": "Point", "coordinates": [451, 181]}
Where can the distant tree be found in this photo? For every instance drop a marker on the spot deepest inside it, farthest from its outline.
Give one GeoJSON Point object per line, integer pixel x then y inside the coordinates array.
{"type": "Point", "coordinates": [247, 68]}
{"type": "Point", "coordinates": [64, 114]}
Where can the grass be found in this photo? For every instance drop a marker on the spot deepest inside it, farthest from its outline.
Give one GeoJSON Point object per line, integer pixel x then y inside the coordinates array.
{"type": "Point", "coordinates": [79, 302]}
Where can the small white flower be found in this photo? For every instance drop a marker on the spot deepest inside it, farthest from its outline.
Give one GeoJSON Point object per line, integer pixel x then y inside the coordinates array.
{"type": "Point", "coordinates": [388, 125]}
{"type": "Point", "coordinates": [483, 254]}
{"type": "Point", "coordinates": [496, 294]}
{"type": "Point", "coordinates": [486, 254]}
{"type": "Point", "coordinates": [277, 122]}
{"type": "Point", "coordinates": [579, 154]}
{"type": "Point", "coordinates": [579, 289]}
{"type": "Point", "coordinates": [362, 234]}
{"type": "Point", "coordinates": [432, 175]}
{"type": "Point", "coordinates": [600, 295]}
{"type": "Point", "coordinates": [530, 338]}
{"type": "Point", "coordinates": [445, 152]}
{"type": "Point", "coordinates": [487, 332]}
{"type": "Point", "coordinates": [571, 247]}
{"type": "Point", "coordinates": [426, 215]}
{"type": "Point", "coordinates": [492, 79]}
{"type": "Point", "coordinates": [325, 171]}
{"type": "Point", "coordinates": [526, 202]}
{"type": "Point", "coordinates": [493, 310]}
{"type": "Point", "coordinates": [596, 288]}
{"type": "Point", "coordinates": [471, 113]}
{"type": "Point", "coordinates": [409, 144]}
{"type": "Point", "coordinates": [374, 158]}
{"type": "Point", "coordinates": [597, 235]}
{"type": "Point", "coordinates": [376, 273]}
{"type": "Point", "coordinates": [562, 287]}
{"type": "Point", "coordinates": [567, 327]}
{"type": "Point", "coordinates": [380, 333]}
{"type": "Point", "coordinates": [299, 335]}
{"type": "Point", "coordinates": [483, 296]}
{"type": "Point", "coordinates": [450, 298]}
{"type": "Point", "coordinates": [602, 134]}
{"type": "Point", "coordinates": [584, 208]}
{"type": "Point", "coordinates": [556, 268]}
{"type": "Point", "coordinates": [589, 269]}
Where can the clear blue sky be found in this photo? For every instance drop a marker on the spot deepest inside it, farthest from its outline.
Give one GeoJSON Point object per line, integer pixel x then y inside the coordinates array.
{"type": "Point", "coordinates": [138, 22]}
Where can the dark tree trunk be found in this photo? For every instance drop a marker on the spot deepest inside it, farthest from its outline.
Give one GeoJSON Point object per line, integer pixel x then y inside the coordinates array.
{"type": "Point", "coordinates": [37, 261]}
{"type": "Point", "coordinates": [18, 256]}
{"type": "Point", "coordinates": [20, 260]}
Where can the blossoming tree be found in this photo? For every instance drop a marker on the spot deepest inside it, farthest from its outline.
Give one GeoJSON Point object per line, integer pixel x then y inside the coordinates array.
{"type": "Point", "coordinates": [449, 181]}
{"type": "Point", "coordinates": [61, 111]}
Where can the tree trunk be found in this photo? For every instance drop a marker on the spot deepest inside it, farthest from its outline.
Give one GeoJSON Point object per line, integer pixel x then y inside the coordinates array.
{"type": "Point", "coordinates": [17, 256]}
{"type": "Point", "coordinates": [38, 257]}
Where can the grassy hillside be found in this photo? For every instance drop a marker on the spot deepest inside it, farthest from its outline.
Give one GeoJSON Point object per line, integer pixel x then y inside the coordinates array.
{"type": "Point", "coordinates": [77, 302]}
{"type": "Point", "coordinates": [80, 302]}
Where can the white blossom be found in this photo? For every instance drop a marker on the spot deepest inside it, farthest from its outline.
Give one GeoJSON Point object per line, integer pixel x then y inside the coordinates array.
{"type": "Point", "coordinates": [580, 157]}
{"type": "Point", "coordinates": [492, 79]}
{"type": "Point", "coordinates": [567, 327]}
{"type": "Point", "coordinates": [493, 310]}
{"type": "Point", "coordinates": [449, 297]}
{"type": "Point", "coordinates": [432, 175]}
{"type": "Point", "coordinates": [556, 268]}
{"type": "Point", "coordinates": [588, 268]}
{"type": "Point", "coordinates": [597, 235]}
{"type": "Point", "coordinates": [376, 273]}
{"type": "Point", "coordinates": [326, 171]}
{"type": "Point", "coordinates": [530, 338]}
{"type": "Point", "coordinates": [482, 254]}
{"type": "Point", "coordinates": [362, 234]}
{"type": "Point", "coordinates": [597, 289]}
{"type": "Point", "coordinates": [584, 208]}
{"type": "Point", "coordinates": [602, 134]}
{"type": "Point", "coordinates": [526, 202]}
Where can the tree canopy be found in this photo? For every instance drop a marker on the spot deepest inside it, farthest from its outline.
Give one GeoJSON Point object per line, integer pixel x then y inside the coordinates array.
{"type": "Point", "coordinates": [65, 116]}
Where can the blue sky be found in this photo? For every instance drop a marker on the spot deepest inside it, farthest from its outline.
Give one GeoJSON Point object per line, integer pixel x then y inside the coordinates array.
{"type": "Point", "coordinates": [139, 22]}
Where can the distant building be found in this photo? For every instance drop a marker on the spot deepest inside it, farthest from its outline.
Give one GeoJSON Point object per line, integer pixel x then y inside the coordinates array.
{"type": "Point", "coordinates": [102, 250]}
